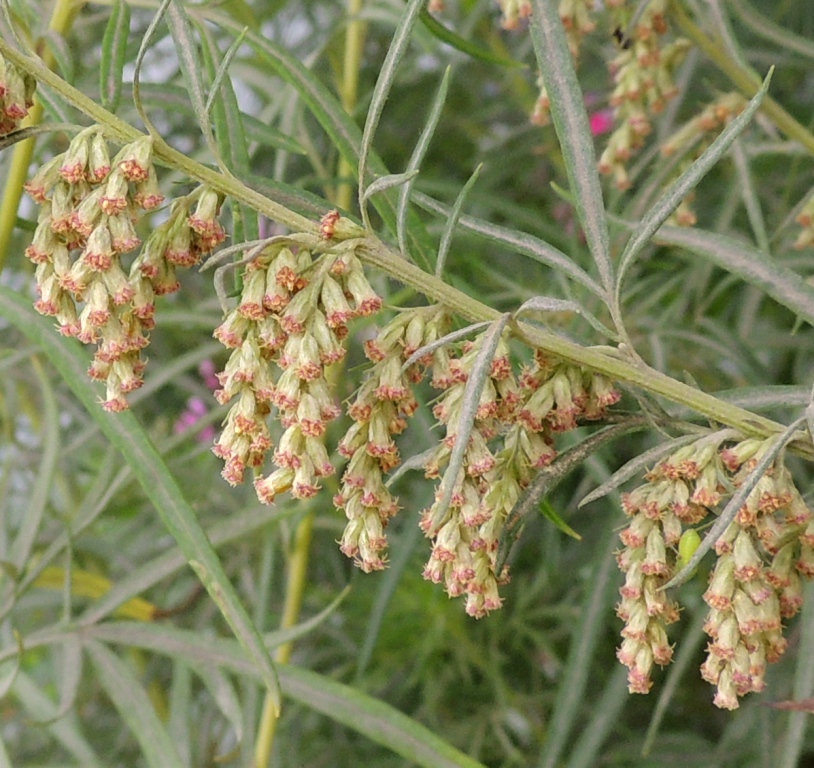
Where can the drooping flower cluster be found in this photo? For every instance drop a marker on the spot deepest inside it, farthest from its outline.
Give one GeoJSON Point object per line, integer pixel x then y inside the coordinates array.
{"type": "Point", "coordinates": [89, 208]}
{"type": "Point", "coordinates": [550, 397]}
{"type": "Point", "coordinates": [298, 295]}
{"type": "Point", "coordinates": [16, 96]}
{"type": "Point", "coordinates": [756, 581]}
{"type": "Point", "coordinates": [380, 410]}
{"type": "Point", "coordinates": [643, 83]}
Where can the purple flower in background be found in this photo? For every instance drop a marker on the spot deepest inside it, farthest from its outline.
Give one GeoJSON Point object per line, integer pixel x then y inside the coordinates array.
{"type": "Point", "coordinates": [197, 408]}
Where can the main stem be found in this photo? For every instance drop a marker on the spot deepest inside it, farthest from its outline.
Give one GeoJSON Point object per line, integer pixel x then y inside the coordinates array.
{"type": "Point", "coordinates": [377, 254]}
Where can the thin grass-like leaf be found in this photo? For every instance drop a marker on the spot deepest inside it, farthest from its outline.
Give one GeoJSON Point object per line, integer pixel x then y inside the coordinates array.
{"type": "Point", "coordinates": [223, 69]}
{"type": "Point", "coordinates": [767, 29]}
{"type": "Point", "coordinates": [224, 695]}
{"type": "Point", "coordinates": [679, 189]}
{"type": "Point", "coordinates": [452, 222]}
{"type": "Point", "coordinates": [181, 710]}
{"type": "Point", "coordinates": [420, 150]}
{"type": "Point", "coordinates": [65, 730]}
{"type": "Point", "coordinates": [446, 35]}
{"type": "Point", "coordinates": [71, 668]}
{"type": "Point", "coordinates": [573, 131]}
{"type": "Point", "coordinates": [593, 615]}
{"type": "Point", "coordinates": [62, 53]}
{"type": "Point", "coordinates": [605, 717]}
{"type": "Point", "coordinates": [466, 420]}
{"type": "Point", "coordinates": [186, 49]}
{"type": "Point", "coordinates": [389, 182]}
{"type": "Point", "coordinates": [125, 433]}
{"type": "Point", "coordinates": [785, 286]}
{"type": "Point", "coordinates": [735, 503]}
{"type": "Point", "coordinates": [548, 304]}
{"type": "Point", "coordinates": [41, 493]}
{"type": "Point", "coordinates": [229, 133]}
{"type": "Point", "coordinates": [270, 136]}
{"type": "Point", "coordinates": [387, 74]}
{"type": "Point", "coordinates": [343, 704]}
{"type": "Point", "coordinates": [155, 22]}
{"type": "Point", "coordinates": [797, 722]}
{"type": "Point", "coordinates": [114, 50]}
{"type": "Point", "coordinates": [134, 706]}
{"type": "Point", "coordinates": [750, 197]}
{"type": "Point", "coordinates": [147, 575]}
{"type": "Point", "coordinates": [520, 242]}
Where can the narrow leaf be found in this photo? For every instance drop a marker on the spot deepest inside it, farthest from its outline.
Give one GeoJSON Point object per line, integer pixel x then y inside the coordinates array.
{"type": "Point", "coordinates": [448, 338]}
{"type": "Point", "coordinates": [452, 221]}
{"type": "Point", "coordinates": [520, 242]}
{"type": "Point", "coordinates": [387, 74]}
{"type": "Point", "coordinates": [158, 483]}
{"type": "Point", "coordinates": [446, 35]}
{"type": "Point", "coordinates": [388, 182]}
{"type": "Point", "coordinates": [134, 706]}
{"type": "Point", "coordinates": [679, 189]}
{"type": "Point", "coordinates": [186, 49]}
{"type": "Point", "coordinates": [343, 704]}
{"type": "Point", "coordinates": [417, 157]}
{"type": "Point", "coordinates": [114, 49]}
{"type": "Point", "coordinates": [466, 420]}
{"type": "Point", "coordinates": [730, 511]}
{"type": "Point", "coordinates": [573, 131]}
{"type": "Point", "coordinates": [784, 285]}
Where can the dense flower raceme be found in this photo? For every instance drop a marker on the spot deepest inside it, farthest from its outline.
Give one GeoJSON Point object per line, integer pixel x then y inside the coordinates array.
{"type": "Point", "coordinates": [756, 580]}
{"type": "Point", "coordinates": [89, 208]}
{"type": "Point", "coordinates": [299, 293]}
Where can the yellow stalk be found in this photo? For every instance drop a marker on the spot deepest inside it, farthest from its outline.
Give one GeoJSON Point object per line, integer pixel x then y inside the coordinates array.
{"type": "Point", "coordinates": [354, 43]}
{"type": "Point", "coordinates": [295, 586]}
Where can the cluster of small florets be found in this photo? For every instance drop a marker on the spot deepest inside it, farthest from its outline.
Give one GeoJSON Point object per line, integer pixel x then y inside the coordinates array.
{"type": "Point", "coordinates": [697, 134]}
{"type": "Point", "coordinates": [521, 415]}
{"type": "Point", "coordinates": [643, 84]}
{"type": "Point", "coordinates": [90, 205]}
{"type": "Point", "coordinates": [16, 96]}
{"type": "Point", "coordinates": [756, 581]}
{"type": "Point", "coordinates": [297, 299]}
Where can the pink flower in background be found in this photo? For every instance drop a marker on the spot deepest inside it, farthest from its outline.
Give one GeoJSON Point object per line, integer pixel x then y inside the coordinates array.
{"type": "Point", "coordinates": [196, 407]}
{"type": "Point", "coordinates": [601, 122]}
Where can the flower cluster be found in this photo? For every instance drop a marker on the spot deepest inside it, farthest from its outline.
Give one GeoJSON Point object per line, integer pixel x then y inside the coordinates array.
{"type": "Point", "coordinates": [756, 581]}
{"type": "Point", "coordinates": [298, 295]}
{"type": "Point", "coordinates": [643, 83]}
{"type": "Point", "coordinates": [380, 410]}
{"type": "Point", "coordinates": [549, 397]}
{"type": "Point", "coordinates": [90, 205]}
{"type": "Point", "coordinates": [16, 96]}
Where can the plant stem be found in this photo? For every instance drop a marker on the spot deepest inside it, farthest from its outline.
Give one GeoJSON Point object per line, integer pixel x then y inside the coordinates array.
{"type": "Point", "coordinates": [354, 43]}
{"type": "Point", "coordinates": [65, 12]}
{"type": "Point", "coordinates": [295, 586]}
{"type": "Point", "coordinates": [377, 254]}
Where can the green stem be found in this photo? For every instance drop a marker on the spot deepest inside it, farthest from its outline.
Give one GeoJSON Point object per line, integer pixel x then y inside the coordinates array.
{"type": "Point", "coordinates": [377, 254]}
{"type": "Point", "coordinates": [64, 13]}
{"type": "Point", "coordinates": [354, 43]}
{"type": "Point", "coordinates": [295, 586]}
{"type": "Point", "coordinates": [748, 82]}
